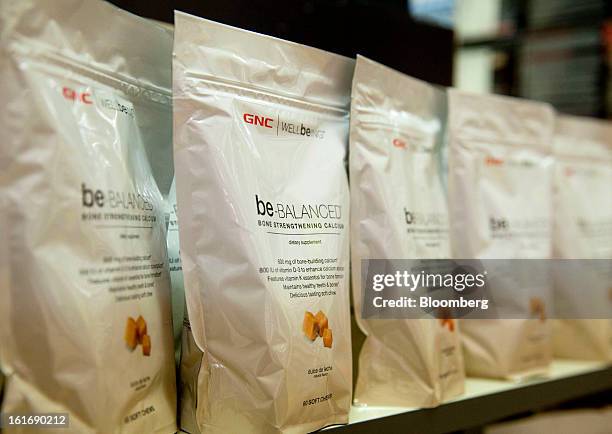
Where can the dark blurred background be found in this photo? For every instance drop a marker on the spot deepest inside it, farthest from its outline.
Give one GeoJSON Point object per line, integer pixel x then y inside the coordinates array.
{"type": "Point", "coordinates": [382, 30]}
{"type": "Point", "coordinates": [559, 51]}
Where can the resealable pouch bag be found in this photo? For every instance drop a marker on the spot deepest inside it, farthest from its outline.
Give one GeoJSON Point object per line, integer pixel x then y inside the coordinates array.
{"type": "Point", "coordinates": [396, 136]}
{"type": "Point", "coordinates": [187, 354]}
{"type": "Point", "coordinates": [85, 321]}
{"type": "Point", "coordinates": [582, 230]}
{"type": "Point", "coordinates": [500, 188]}
{"type": "Point", "coordinates": [260, 138]}
{"type": "Point", "coordinates": [176, 273]}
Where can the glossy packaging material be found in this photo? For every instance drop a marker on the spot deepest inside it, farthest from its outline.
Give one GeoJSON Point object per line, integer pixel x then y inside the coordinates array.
{"type": "Point", "coordinates": [396, 136]}
{"type": "Point", "coordinates": [188, 354]}
{"type": "Point", "coordinates": [582, 230]}
{"type": "Point", "coordinates": [176, 273]}
{"type": "Point", "coordinates": [500, 197]}
{"type": "Point", "coordinates": [85, 325]}
{"type": "Point", "coordinates": [260, 138]}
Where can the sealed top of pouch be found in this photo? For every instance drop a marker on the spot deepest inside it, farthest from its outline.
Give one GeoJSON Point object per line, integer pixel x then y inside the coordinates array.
{"type": "Point", "coordinates": [389, 90]}
{"type": "Point", "coordinates": [500, 119]}
{"type": "Point", "coordinates": [94, 33]}
{"type": "Point", "coordinates": [583, 137]}
{"type": "Point", "coordinates": [262, 63]}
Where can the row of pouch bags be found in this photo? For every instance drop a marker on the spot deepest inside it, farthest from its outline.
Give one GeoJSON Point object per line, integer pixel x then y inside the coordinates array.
{"type": "Point", "coordinates": [260, 143]}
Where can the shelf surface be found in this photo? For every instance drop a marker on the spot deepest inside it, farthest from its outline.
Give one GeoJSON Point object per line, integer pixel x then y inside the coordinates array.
{"type": "Point", "coordinates": [486, 401]}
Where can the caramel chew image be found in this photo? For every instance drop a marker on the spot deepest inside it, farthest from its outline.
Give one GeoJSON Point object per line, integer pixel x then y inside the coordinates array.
{"type": "Point", "coordinates": [141, 325]}
{"type": "Point", "coordinates": [315, 326]}
{"type": "Point", "coordinates": [448, 323]}
{"type": "Point", "coordinates": [310, 326]}
{"type": "Point", "coordinates": [327, 338]}
{"type": "Point", "coordinates": [537, 307]}
{"type": "Point", "coordinates": [131, 334]}
{"type": "Point", "coordinates": [136, 334]}
{"type": "Point", "coordinates": [146, 345]}
{"type": "Point", "coordinates": [322, 322]}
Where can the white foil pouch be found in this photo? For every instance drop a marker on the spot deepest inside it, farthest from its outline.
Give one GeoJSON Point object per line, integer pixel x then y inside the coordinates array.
{"type": "Point", "coordinates": [176, 273]}
{"type": "Point", "coordinates": [85, 322]}
{"type": "Point", "coordinates": [500, 187]}
{"type": "Point", "coordinates": [260, 138]}
{"type": "Point", "coordinates": [188, 355]}
{"type": "Point", "coordinates": [396, 136]}
{"type": "Point", "coordinates": [582, 230]}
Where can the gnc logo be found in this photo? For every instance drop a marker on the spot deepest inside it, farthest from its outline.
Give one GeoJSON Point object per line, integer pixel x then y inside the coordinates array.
{"type": "Point", "coordinates": [73, 95]}
{"type": "Point", "coordinates": [261, 121]}
{"type": "Point", "coordinates": [492, 161]}
{"type": "Point", "coordinates": [399, 143]}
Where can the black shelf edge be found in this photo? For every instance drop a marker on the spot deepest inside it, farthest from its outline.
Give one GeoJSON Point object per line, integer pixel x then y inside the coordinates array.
{"type": "Point", "coordinates": [473, 411]}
